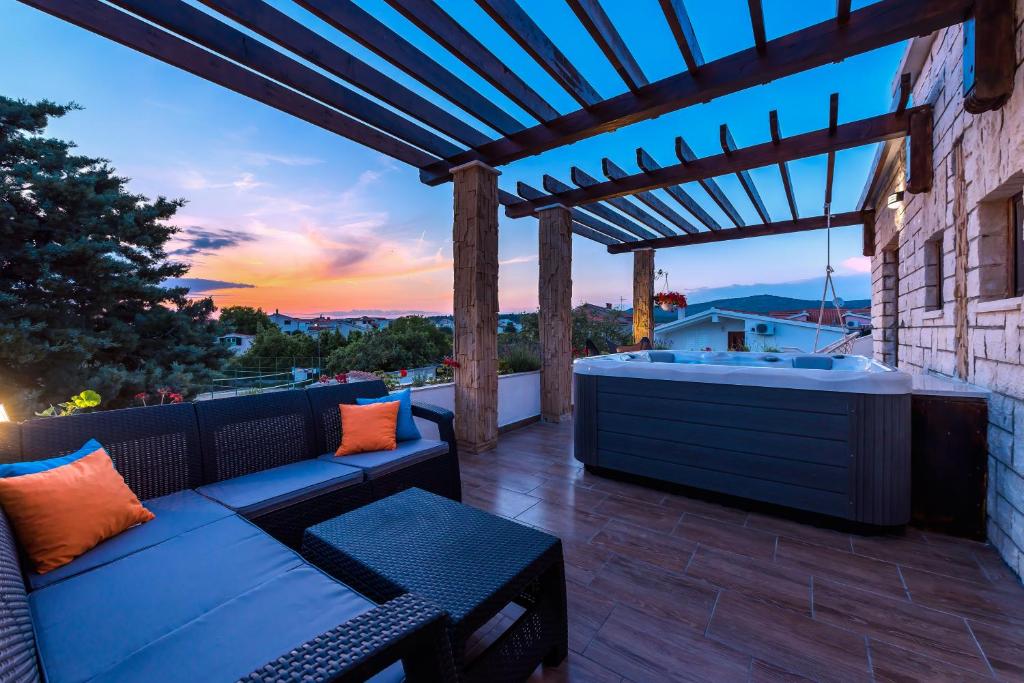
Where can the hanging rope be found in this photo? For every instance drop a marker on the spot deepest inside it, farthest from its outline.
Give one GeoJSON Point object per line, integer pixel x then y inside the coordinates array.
{"type": "Point", "coordinates": [829, 282]}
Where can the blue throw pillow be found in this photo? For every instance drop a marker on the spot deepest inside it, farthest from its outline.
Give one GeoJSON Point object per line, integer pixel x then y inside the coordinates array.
{"type": "Point", "coordinates": [16, 469]}
{"type": "Point", "coordinates": [406, 429]}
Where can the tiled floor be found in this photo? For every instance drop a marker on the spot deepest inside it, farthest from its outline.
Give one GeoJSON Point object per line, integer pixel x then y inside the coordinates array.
{"type": "Point", "coordinates": [663, 587]}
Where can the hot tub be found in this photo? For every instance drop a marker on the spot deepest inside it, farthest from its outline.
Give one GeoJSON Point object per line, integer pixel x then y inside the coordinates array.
{"type": "Point", "coordinates": [828, 434]}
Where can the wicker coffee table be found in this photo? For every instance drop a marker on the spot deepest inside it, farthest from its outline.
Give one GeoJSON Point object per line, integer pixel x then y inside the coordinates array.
{"type": "Point", "coordinates": [470, 563]}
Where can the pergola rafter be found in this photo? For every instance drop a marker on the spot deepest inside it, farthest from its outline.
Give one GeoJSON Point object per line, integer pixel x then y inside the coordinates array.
{"type": "Point", "coordinates": [647, 164]}
{"type": "Point", "coordinates": [583, 179]}
{"type": "Point", "coordinates": [613, 172]}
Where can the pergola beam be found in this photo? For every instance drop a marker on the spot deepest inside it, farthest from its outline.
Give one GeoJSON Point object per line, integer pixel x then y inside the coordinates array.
{"type": "Point", "coordinates": [439, 25]}
{"type": "Point", "coordinates": [830, 166]}
{"type": "Point", "coordinates": [728, 147]}
{"type": "Point", "coordinates": [584, 224]}
{"type": "Point", "coordinates": [612, 172]}
{"type": "Point", "coordinates": [682, 30]}
{"type": "Point", "coordinates": [757, 24]}
{"type": "Point", "coordinates": [787, 181]}
{"type": "Point", "coordinates": [779, 228]}
{"type": "Point", "coordinates": [848, 135]}
{"type": "Point", "coordinates": [552, 184]}
{"type": "Point", "coordinates": [647, 164]}
{"type": "Point", "coordinates": [603, 31]}
{"type": "Point", "coordinates": [583, 179]}
{"type": "Point", "coordinates": [112, 23]}
{"type": "Point", "coordinates": [207, 31]}
{"type": "Point", "coordinates": [522, 29]}
{"type": "Point", "coordinates": [278, 27]}
{"type": "Point", "coordinates": [710, 185]}
{"type": "Point", "coordinates": [362, 27]}
{"type": "Point", "coordinates": [906, 88]}
{"type": "Point", "coordinates": [876, 25]}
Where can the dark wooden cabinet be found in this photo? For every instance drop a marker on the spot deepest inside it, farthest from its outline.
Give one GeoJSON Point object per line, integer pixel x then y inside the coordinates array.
{"type": "Point", "coordinates": [949, 463]}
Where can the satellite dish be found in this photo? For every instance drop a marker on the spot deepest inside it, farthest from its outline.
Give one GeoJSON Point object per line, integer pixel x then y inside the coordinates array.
{"type": "Point", "coordinates": [840, 303]}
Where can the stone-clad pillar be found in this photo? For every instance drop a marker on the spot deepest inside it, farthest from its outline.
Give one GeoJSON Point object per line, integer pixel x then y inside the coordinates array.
{"type": "Point", "coordinates": [555, 317]}
{"type": "Point", "coordinates": [475, 248]}
{"type": "Point", "coordinates": [643, 295]}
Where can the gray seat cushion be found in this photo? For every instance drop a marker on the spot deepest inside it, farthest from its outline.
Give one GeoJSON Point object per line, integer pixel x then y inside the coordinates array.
{"type": "Point", "coordinates": [380, 463]}
{"type": "Point", "coordinates": [261, 492]}
{"type": "Point", "coordinates": [176, 514]}
{"type": "Point", "coordinates": [89, 623]}
{"type": "Point", "coordinates": [238, 636]}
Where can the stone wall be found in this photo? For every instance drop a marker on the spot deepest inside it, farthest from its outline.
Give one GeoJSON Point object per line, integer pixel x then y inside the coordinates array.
{"type": "Point", "coordinates": [976, 332]}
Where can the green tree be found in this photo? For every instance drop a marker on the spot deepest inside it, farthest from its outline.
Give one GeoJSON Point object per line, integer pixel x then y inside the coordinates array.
{"type": "Point", "coordinates": [408, 342]}
{"type": "Point", "coordinates": [82, 262]}
{"type": "Point", "coordinates": [243, 319]}
{"type": "Point", "coordinates": [605, 333]}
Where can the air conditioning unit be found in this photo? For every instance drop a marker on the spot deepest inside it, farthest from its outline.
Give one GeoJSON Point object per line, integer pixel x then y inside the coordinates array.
{"type": "Point", "coordinates": [853, 324]}
{"type": "Point", "coordinates": [763, 328]}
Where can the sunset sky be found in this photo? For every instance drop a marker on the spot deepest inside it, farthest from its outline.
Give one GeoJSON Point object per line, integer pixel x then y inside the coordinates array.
{"type": "Point", "coordinates": [284, 215]}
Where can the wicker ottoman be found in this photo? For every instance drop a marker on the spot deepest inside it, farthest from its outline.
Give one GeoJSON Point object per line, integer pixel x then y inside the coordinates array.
{"type": "Point", "coordinates": [470, 563]}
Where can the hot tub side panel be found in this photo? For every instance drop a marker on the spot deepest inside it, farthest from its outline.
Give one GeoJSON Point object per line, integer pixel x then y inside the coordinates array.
{"type": "Point", "coordinates": [797, 448]}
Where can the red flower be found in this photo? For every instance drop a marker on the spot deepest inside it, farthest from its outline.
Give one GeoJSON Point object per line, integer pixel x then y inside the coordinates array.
{"type": "Point", "coordinates": [141, 396]}
{"type": "Point", "coordinates": [403, 373]}
{"type": "Point", "coordinates": [341, 378]}
{"type": "Point", "coordinates": [450, 362]}
{"type": "Point", "coordinates": [324, 379]}
{"type": "Point", "coordinates": [174, 397]}
{"type": "Point", "coordinates": [673, 298]}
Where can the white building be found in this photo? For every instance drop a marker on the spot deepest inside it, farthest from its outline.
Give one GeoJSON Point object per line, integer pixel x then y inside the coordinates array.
{"type": "Point", "coordinates": [236, 342]}
{"type": "Point", "coordinates": [721, 330]}
{"type": "Point", "coordinates": [313, 326]}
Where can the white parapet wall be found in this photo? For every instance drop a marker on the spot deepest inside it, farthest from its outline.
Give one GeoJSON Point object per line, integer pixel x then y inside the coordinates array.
{"type": "Point", "coordinates": [518, 400]}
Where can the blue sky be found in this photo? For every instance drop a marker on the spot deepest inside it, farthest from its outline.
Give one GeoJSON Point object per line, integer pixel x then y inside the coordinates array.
{"type": "Point", "coordinates": [315, 223]}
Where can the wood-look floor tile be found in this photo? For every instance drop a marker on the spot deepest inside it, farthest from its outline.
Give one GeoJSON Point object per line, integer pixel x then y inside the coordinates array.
{"type": "Point", "coordinates": [639, 543]}
{"type": "Point", "coordinates": [571, 493]}
{"type": "Point", "coordinates": [498, 500]}
{"type": "Point", "coordinates": [762, 580]}
{"type": "Point", "coordinates": [654, 517]}
{"type": "Point", "coordinates": [996, 570]}
{"type": "Point", "coordinates": [958, 562]}
{"type": "Point", "coordinates": [575, 669]}
{"type": "Point", "coordinates": [588, 611]}
{"type": "Point", "coordinates": [733, 538]}
{"type": "Point", "coordinates": [642, 647]}
{"type": "Point", "coordinates": [844, 567]}
{"type": "Point", "coordinates": [782, 526]}
{"type": "Point", "coordinates": [514, 480]}
{"type": "Point", "coordinates": [788, 640]}
{"type": "Point", "coordinates": [622, 489]}
{"type": "Point", "coordinates": [657, 592]}
{"type": "Point", "coordinates": [1003, 647]}
{"type": "Point", "coordinates": [966, 598]}
{"type": "Point", "coordinates": [892, 664]}
{"type": "Point", "coordinates": [704, 508]}
{"type": "Point", "coordinates": [762, 672]}
{"type": "Point", "coordinates": [583, 560]}
{"type": "Point", "coordinates": [930, 633]}
{"type": "Point", "coordinates": [563, 521]}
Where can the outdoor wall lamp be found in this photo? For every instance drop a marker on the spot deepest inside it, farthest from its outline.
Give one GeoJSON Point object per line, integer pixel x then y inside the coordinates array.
{"type": "Point", "coordinates": [3, 414]}
{"type": "Point", "coordinates": [895, 199]}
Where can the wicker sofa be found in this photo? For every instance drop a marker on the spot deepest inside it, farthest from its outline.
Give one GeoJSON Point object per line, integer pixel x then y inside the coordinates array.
{"type": "Point", "coordinates": [213, 588]}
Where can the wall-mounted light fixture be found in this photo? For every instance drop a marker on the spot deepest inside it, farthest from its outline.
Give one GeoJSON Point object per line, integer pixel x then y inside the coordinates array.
{"type": "Point", "coordinates": [3, 414]}
{"type": "Point", "coordinates": [895, 199]}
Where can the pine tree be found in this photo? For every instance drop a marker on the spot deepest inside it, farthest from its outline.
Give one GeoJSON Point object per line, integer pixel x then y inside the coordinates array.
{"type": "Point", "coordinates": [82, 262]}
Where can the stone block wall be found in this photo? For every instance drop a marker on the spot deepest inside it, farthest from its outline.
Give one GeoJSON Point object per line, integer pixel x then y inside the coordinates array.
{"type": "Point", "coordinates": [976, 333]}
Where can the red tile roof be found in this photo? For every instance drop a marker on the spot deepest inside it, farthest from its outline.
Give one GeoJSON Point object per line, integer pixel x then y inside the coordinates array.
{"type": "Point", "coordinates": [830, 317]}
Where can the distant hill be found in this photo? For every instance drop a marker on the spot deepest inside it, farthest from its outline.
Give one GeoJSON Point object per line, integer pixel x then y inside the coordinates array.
{"type": "Point", "coordinates": [759, 303]}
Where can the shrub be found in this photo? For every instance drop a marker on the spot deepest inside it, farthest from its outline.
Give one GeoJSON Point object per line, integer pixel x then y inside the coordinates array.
{"type": "Point", "coordinates": [518, 358]}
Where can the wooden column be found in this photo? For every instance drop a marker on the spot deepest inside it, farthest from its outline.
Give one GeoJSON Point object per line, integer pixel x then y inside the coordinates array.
{"type": "Point", "coordinates": [475, 249]}
{"type": "Point", "coordinates": [555, 318]}
{"type": "Point", "coordinates": [643, 295]}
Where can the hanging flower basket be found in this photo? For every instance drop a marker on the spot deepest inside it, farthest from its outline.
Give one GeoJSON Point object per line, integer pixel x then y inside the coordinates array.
{"type": "Point", "coordinates": [670, 301]}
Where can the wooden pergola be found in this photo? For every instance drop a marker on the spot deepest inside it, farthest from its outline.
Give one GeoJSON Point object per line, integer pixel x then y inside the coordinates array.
{"type": "Point", "coordinates": [303, 73]}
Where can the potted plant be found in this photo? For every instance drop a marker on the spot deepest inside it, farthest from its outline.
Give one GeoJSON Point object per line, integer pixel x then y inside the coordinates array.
{"type": "Point", "coordinates": [670, 301]}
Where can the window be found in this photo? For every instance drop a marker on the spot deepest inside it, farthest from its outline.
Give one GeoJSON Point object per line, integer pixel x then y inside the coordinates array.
{"type": "Point", "coordinates": [1017, 245]}
{"type": "Point", "coordinates": [933, 275]}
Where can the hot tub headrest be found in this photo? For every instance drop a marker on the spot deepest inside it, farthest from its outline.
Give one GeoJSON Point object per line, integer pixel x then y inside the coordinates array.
{"type": "Point", "coordinates": [661, 356]}
{"type": "Point", "coordinates": [812, 363]}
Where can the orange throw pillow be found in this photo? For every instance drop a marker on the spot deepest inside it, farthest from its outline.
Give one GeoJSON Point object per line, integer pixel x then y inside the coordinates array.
{"type": "Point", "coordinates": [59, 514]}
{"type": "Point", "coordinates": [368, 428]}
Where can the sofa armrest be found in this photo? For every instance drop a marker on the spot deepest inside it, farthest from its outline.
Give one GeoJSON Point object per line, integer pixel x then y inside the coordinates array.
{"type": "Point", "coordinates": [407, 628]}
{"type": "Point", "coordinates": [442, 417]}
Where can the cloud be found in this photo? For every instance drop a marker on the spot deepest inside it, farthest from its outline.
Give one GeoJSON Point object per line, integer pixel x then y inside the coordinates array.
{"type": "Point", "coordinates": [194, 179]}
{"type": "Point", "coordinates": [858, 264]}
{"type": "Point", "coordinates": [198, 284]}
{"type": "Point", "coordinates": [202, 241]}
{"type": "Point", "coordinates": [529, 258]}
{"type": "Point", "coordinates": [268, 158]}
